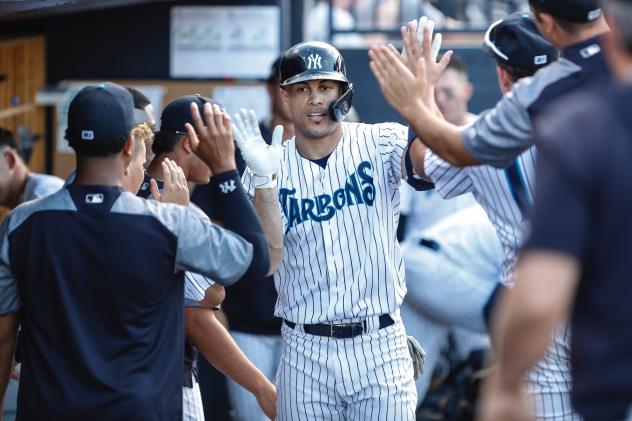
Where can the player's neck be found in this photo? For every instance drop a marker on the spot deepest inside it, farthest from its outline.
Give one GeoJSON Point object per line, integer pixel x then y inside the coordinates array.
{"type": "Point", "coordinates": [311, 148]}
{"type": "Point", "coordinates": [100, 171]}
{"type": "Point", "coordinates": [155, 168]}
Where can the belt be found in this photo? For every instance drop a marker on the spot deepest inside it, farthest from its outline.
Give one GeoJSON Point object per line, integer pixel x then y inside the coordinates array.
{"type": "Point", "coordinates": [341, 330]}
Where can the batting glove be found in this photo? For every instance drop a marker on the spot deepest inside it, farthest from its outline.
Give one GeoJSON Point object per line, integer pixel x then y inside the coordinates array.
{"type": "Point", "coordinates": [263, 160]}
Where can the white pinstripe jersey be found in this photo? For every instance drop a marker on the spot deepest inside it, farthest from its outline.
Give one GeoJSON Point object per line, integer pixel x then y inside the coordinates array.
{"type": "Point", "coordinates": [342, 259]}
{"type": "Point", "coordinates": [498, 192]}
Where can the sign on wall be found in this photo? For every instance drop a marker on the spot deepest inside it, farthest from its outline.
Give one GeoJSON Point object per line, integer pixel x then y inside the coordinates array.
{"type": "Point", "coordinates": [224, 41]}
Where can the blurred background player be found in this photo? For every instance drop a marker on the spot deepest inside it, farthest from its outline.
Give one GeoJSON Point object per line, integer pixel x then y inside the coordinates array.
{"type": "Point", "coordinates": [17, 183]}
{"type": "Point", "coordinates": [452, 267]}
{"type": "Point", "coordinates": [420, 210]}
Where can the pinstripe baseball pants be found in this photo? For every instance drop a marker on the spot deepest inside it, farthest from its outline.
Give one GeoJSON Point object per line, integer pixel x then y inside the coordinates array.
{"type": "Point", "coordinates": [192, 409]}
{"type": "Point", "coordinates": [366, 378]}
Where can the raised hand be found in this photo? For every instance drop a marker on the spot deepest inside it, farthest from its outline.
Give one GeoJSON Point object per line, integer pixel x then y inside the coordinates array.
{"type": "Point", "coordinates": [263, 160]}
{"type": "Point", "coordinates": [175, 188]}
{"type": "Point", "coordinates": [213, 137]}
{"type": "Point", "coordinates": [413, 41]}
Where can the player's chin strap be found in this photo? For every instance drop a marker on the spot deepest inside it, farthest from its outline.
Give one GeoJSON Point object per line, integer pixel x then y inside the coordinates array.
{"type": "Point", "coordinates": [340, 107]}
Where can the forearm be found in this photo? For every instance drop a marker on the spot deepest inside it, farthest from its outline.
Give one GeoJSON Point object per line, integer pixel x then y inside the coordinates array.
{"type": "Point", "coordinates": [216, 345]}
{"type": "Point", "coordinates": [442, 137]}
{"type": "Point", "coordinates": [8, 333]}
{"type": "Point", "coordinates": [266, 203]}
{"type": "Point", "coordinates": [237, 214]}
{"type": "Point", "coordinates": [522, 340]}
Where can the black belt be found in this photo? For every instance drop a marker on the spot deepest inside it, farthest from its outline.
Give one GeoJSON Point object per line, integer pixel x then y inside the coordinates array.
{"type": "Point", "coordinates": [341, 330]}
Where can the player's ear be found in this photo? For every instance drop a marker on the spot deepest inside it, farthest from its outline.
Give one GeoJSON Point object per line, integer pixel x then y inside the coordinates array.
{"type": "Point", "coordinates": [128, 147]}
{"type": "Point", "coordinates": [10, 157]}
{"type": "Point", "coordinates": [187, 144]}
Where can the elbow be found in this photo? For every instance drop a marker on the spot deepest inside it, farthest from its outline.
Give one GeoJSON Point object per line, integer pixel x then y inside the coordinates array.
{"type": "Point", "coordinates": [197, 323]}
{"type": "Point", "coordinates": [276, 257]}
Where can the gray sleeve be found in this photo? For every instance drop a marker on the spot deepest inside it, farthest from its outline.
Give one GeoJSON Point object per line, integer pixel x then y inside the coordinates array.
{"type": "Point", "coordinates": [9, 297]}
{"type": "Point", "coordinates": [210, 250]}
{"type": "Point", "coordinates": [503, 133]}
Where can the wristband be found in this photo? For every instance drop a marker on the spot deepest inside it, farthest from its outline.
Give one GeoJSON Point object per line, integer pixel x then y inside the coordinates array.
{"type": "Point", "coordinates": [413, 179]}
{"type": "Point", "coordinates": [264, 181]}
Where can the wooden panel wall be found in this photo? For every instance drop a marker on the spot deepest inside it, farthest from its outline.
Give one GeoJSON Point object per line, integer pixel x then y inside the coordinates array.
{"type": "Point", "coordinates": [22, 61]}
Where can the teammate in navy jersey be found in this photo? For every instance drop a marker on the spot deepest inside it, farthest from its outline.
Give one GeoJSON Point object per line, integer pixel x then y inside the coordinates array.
{"type": "Point", "coordinates": [203, 330]}
{"type": "Point", "coordinates": [576, 261]}
{"type": "Point", "coordinates": [345, 352]}
{"type": "Point", "coordinates": [96, 273]}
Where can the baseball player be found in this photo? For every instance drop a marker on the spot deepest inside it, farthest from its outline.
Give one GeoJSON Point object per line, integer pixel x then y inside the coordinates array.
{"type": "Point", "coordinates": [576, 260]}
{"type": "Point", "coordinates": [203, 330]}
{"type": "Point", "coordinates": [97, 273]}
{"type": "Point", "coordinates": [17, 183]}
{"type": "Point", "coordinates": [341, 281]}
{"type": "Point", "coordinates": [452, 268]}
{"type": "Point", "coordinates": [506, 196]}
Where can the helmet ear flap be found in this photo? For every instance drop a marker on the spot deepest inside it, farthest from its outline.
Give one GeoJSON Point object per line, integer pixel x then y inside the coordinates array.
{"type": "Point", "coordinates": [339, 108]}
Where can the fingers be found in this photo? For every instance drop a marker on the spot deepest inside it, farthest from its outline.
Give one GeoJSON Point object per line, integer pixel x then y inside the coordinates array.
{"type": "Point", "coordinates": [240, 123]}
{"type": "Point", "coordinates": [153, 188]}
{"type": "Point", "coordinates": [436, 46]}
{"type": "Point", "coordinates": [277, 136]}
{"type": "Point", "coordinates": [426, 48]}
{"type": "Point", "coordinates": [182, 180]}
{"type": "Point", "coordinates": [166, 170]}
{"type": "Point", "coordinates": [173, 169]}
{"type": "Point", "coordinates": [445, 60]}
{"type": "Point", "coordinates": [237, 135]}
{"type": "Point", "coordinates": [419, 30]}
{"type": "Point", "coordinates": [198, 123]}
{"type": "Point", "coordinates": [254, 124]}
{"type": "Point", "coordinates": [192, 134]}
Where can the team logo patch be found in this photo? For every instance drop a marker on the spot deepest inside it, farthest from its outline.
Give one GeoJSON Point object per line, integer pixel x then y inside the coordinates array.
{"type": "Point", "coordinates": [94, 198]}
{"type": "Point", "coordinates": [228, 186]}
{"type": "Point", "coordinates": [538, 60]}
{"type": "Point", "coordinates": [359, 189]}
{"type": "Point", "coordinates": [87, 135]}
{"type": "Point", "coordinates": [313, 61]}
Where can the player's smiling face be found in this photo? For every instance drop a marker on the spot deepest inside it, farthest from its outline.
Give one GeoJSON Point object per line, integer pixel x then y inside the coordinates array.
{"type": "Point", "coordinates": [309, 105]}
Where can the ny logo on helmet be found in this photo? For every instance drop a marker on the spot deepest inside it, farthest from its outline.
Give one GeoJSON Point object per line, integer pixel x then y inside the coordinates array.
{"type": "Point", "coordinates": [313, 62]}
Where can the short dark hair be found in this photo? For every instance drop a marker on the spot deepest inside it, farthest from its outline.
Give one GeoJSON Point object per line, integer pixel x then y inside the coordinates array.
{"type": "Point", "coordinates": [458, 65]}
{"type": "Point", "coordinates": [516, 73]}
{"type": "Point", "coordinates": [568, 26]}
{"type": "Point", "coordinates": [165, 142]}
{"type": "Point", "coordinates": [97, 149]}
{"type": "Point", "coordinates": [8, 140]}
{"type": "Point", "coordinates": [140, 99]}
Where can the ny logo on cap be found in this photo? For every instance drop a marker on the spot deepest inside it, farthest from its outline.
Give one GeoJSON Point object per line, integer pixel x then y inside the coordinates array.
{"type": "Point", "coordinates": [87, 135]}
{"type": "Point", "coordinates": [94, 198]}
{"type": "Point", "coordinates": [313, 62]}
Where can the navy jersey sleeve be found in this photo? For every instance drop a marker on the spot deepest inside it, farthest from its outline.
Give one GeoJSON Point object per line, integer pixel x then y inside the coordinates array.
{"type": "Point", "coordinates": [568, 159]}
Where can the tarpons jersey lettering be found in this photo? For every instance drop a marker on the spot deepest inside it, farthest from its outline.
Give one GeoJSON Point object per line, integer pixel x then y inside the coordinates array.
{"type": "Point", "coordinates": [359, 189]}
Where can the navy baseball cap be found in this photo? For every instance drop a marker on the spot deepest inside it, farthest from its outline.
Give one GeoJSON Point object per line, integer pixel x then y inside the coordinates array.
{"type": "Point", "coordinates": [101, 113]}
{"type": "Point", "coordinates": [178, 112]}
{"type": "Point", "coordinates": [515, 41]}
{"type": "Point", "coordinates": [577, 11]}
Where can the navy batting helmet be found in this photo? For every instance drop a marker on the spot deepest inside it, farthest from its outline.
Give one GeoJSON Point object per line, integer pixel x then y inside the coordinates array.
{"type": "Point", "coordinates": [318, 61]}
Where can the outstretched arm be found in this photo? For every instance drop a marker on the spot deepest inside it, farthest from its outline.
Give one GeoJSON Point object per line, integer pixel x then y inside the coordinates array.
{"type": "Point", "coordinates": [412, 94]}
{"type": "Point", "coordinates": [264, 161]}
{"type": "Point", "coordinates": [216, 345]}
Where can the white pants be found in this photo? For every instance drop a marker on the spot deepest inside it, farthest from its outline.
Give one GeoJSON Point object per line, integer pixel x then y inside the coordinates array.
{"type": "Point", "coordinates": [265, 352]}
{"type": "Point", "coordinates": [366, 378]}
{"type": "Point", "coordinates": [192, 409]}
{"type": "Point", "coordinates": [442, 298]}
